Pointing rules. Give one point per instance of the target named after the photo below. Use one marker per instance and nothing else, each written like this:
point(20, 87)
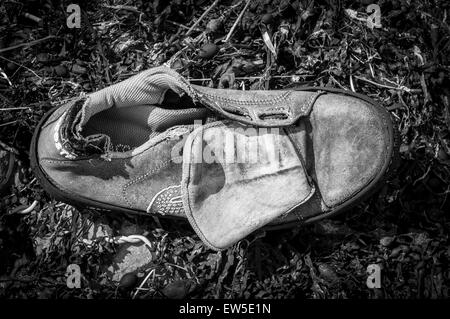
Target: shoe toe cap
point(352, 141)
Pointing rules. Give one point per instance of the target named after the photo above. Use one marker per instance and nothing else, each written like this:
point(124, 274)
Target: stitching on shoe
point(279, 98)
point(309, 103)
point(55, 161)
point(174, 206)
point(140, 178)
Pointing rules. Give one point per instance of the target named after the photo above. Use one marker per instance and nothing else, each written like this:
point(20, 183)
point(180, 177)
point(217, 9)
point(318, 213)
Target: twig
point(28, 185)
point(401, 87)
point(352, 87)
point(8, 123)
point(27, 44)
point(30, 208)
point(339, 84)
point(173, 265)
point(32, 17)
point(3, 75)
point(20, 66)
point(237, 21)
point(180, 25)
point(202, 16)
point(9, 148)
point(23, 209)
point(26, 210)
point(144, 281)
point(423, 176)
point(130, 239)
point(174, 57)
point(123, 7)
point(14, 108)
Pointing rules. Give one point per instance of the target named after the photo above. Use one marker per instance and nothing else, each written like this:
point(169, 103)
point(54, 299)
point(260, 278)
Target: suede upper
point(305, 153)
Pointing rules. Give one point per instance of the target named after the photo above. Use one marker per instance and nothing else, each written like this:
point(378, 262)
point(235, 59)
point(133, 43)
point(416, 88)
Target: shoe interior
point(130, 127)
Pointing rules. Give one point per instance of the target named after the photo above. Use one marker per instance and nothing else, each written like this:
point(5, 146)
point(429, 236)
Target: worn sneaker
point(229, 161)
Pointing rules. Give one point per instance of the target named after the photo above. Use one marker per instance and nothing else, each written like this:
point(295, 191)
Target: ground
point(402, 63)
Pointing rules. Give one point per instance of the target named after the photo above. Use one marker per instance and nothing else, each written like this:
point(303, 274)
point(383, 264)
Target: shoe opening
point(127, 114)
point(129, 127)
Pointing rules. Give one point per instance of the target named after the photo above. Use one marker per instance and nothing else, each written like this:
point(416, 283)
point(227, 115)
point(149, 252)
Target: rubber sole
point(385, 173)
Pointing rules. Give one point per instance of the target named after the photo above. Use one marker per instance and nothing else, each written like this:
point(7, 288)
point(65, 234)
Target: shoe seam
point(276, 99)
point(141, 178)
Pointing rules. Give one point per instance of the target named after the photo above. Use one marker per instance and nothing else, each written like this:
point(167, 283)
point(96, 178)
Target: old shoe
point(229, 161)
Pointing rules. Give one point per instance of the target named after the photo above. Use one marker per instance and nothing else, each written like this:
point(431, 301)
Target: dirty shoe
point(229, 161)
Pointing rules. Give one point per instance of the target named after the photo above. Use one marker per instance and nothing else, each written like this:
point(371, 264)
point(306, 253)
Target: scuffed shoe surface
point(229, 161)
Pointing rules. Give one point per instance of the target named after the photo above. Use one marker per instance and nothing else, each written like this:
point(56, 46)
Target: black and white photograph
point(220, 157)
